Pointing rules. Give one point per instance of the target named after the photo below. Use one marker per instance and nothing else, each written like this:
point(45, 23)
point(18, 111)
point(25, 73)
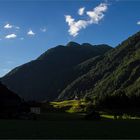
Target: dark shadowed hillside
point(8, 99)
point(46, 77)
point(116, 74)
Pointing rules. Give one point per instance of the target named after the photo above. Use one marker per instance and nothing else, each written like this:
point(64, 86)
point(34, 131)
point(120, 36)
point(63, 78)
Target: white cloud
point(97, 13)
point(8, 26)
point(93, 17)
point(75, 26)
point(17, 27)
point(10, 36)
point(138, 22)
point(30, 33)
point(44, 29)
point(81, 11)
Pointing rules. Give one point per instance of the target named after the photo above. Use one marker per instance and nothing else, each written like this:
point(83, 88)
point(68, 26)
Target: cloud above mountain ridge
point(93, 17)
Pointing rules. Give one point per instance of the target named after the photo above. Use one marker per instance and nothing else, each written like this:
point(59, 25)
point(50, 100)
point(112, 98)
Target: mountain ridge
point(46, 76)
point(117, 72)
point(81, 69)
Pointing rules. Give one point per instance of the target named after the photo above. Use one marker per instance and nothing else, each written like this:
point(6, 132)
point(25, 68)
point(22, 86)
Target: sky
point(29, 28)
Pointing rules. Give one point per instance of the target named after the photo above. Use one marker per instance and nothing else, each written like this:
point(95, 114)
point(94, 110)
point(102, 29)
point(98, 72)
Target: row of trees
point(119, 104)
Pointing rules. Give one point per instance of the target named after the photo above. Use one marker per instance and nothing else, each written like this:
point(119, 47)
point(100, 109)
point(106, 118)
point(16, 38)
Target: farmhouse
point(35, 107)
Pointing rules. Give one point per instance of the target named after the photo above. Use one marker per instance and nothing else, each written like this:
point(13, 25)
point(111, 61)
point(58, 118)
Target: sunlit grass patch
point(124, 117)
point(63, 103)
point(108, 116)
point(73, 106)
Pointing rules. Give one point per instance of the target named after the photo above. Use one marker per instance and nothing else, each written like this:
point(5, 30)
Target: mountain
point(46, 77)
point(8, 99)
point(116, 74)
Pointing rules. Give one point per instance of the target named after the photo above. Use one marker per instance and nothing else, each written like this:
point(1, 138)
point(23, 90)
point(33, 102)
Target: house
point(35, 110)
point(35, 107)
point(76, 97)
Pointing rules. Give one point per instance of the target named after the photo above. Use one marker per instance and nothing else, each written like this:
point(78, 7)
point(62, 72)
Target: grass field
point(64, 125)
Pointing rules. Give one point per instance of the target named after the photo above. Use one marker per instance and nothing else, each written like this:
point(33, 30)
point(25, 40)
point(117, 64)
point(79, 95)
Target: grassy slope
point(70, 106)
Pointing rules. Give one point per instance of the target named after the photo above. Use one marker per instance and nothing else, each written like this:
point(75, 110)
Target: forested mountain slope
point(46, 77)
point(118, 72)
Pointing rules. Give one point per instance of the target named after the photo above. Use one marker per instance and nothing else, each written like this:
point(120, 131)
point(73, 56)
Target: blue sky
point(29, 28)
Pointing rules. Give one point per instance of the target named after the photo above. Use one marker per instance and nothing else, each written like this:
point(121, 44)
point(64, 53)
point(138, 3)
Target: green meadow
point(71, 124)
point(64, 125)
